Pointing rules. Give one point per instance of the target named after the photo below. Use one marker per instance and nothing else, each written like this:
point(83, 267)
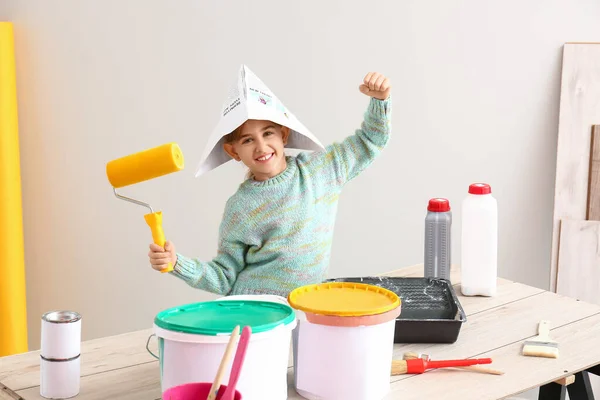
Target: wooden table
point(119, 367)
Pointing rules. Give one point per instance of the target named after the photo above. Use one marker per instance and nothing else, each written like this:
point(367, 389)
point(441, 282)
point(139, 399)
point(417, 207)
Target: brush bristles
point(399, 367)
point(538, 350)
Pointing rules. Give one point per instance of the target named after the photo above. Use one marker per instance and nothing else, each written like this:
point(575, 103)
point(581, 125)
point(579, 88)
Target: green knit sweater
point(276, 235)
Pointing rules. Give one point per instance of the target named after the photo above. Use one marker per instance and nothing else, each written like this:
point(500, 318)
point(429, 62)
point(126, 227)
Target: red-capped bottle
point(438, 234)
point(479, 242)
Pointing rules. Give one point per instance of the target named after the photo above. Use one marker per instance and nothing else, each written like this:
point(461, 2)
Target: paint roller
point(142, 166)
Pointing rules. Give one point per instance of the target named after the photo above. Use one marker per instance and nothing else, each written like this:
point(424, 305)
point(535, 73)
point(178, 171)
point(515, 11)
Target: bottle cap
point(480, 188)
point(438, 205)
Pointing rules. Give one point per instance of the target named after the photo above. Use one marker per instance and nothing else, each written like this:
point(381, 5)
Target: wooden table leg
point(553, 391)
point(581, 389)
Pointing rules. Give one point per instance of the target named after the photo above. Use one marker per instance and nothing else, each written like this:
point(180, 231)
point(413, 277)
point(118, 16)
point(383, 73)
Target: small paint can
point(60, 379)
point(61, 335)
point(60, 354)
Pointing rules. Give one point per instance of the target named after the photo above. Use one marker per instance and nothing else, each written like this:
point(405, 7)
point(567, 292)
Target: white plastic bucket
point(258, 297)
point(343, 357)
point(187, 358)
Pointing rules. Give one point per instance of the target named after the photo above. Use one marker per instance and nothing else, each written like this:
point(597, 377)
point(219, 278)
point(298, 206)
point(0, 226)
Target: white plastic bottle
point(479, 246)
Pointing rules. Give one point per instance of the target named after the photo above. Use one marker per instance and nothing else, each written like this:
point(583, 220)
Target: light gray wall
point(476, 94)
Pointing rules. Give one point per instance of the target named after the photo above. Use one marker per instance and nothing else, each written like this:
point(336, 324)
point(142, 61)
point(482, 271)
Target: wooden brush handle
point(544, 328)
point(212, 395)
point(484, 370)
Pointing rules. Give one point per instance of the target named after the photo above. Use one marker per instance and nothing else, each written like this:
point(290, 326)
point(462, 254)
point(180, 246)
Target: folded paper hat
point(250, 98)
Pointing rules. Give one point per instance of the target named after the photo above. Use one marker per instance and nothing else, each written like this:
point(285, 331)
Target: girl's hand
point(376, 85)
point(160, 258)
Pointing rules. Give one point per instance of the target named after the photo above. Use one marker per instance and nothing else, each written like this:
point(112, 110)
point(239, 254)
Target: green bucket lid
point(220, 317)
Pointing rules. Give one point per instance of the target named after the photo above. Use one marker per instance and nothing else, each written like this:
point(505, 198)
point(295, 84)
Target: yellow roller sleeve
point(154, 221)
point(145, 165)
point(13, 327)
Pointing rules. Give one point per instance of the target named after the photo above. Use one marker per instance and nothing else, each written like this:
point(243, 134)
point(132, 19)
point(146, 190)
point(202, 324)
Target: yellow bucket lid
point(343, 299)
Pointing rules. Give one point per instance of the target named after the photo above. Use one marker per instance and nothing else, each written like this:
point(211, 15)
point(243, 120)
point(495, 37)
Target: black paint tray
point(430, 310)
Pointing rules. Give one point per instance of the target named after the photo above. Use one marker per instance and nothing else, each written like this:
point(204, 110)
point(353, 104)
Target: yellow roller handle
point(154, 221)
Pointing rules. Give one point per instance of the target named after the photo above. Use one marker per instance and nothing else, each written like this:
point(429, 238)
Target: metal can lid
point(61, 317)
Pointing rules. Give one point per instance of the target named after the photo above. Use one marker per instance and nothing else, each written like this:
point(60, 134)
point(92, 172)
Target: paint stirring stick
point(212, 394)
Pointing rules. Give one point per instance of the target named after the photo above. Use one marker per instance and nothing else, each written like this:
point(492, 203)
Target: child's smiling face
point(260, 145)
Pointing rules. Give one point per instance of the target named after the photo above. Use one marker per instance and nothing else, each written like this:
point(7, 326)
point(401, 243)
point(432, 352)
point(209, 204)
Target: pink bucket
point(195, 391)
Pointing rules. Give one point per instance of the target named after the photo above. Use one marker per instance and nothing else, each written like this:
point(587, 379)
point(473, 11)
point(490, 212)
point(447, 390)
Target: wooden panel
point(566, 381)
point(103, 354)
point(593, 211)
point(118, 366)
point(141, 382)
point(580, 96)
point(8, 394)
point(508, 291)
point(521, 373)
point(579, 260)
point(501, 326)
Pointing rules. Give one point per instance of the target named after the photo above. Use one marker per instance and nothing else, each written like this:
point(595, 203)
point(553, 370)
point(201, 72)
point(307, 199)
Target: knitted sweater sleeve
point(341, 162)
point(219, 274)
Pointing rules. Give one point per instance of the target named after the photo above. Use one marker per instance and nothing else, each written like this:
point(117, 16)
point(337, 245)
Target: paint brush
point(419, 365)
point(541, 345)
point(475, 368)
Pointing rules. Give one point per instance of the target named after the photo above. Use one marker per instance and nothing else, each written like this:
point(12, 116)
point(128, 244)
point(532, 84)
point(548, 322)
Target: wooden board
point(519, 322)
point(98, 355)
point(8, 394)
point(580, 96)
point(521, 373)
point(579, 260)
point(140, 382)
point(593, 211)
point(119, 367)
point(566, 381)
point(507, 291)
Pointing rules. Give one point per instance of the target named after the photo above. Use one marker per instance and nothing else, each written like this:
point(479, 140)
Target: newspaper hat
point(250, 98)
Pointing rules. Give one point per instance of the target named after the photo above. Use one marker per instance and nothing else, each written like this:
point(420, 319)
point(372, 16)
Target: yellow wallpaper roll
point(13, 328)
point(144, 165)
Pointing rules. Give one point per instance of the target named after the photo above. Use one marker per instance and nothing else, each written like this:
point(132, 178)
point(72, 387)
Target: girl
point(277, 229)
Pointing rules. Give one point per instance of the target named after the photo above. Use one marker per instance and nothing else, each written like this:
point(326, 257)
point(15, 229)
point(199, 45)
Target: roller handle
point(154, 221)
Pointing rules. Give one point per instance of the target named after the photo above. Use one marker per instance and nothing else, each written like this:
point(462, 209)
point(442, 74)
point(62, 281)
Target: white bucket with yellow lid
point(344, 341)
